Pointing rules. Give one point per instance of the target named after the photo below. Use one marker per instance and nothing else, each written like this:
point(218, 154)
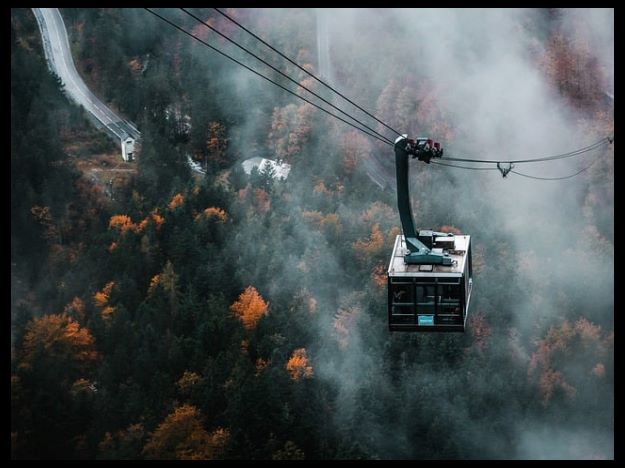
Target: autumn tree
point(290, 130)
point(122, 223)
point(573, 69)
point(249, 307)
point(354, 149)
point(365, 249)
point(60, 339)
point(550, 360)
point(125, 444)
point(101, 299)
point(181, 436)
point(297, 365)
point(216, 144)
point(176, 201)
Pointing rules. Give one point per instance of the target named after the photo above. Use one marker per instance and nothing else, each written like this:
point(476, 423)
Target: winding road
point(60, 61)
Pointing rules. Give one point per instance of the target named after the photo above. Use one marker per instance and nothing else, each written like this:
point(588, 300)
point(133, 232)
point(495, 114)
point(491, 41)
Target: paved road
point(59, 58)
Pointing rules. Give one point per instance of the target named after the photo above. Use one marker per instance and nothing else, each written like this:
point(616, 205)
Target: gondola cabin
point(430, 298)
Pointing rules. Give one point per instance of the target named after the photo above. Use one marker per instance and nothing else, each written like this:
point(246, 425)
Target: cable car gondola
point(430, 274)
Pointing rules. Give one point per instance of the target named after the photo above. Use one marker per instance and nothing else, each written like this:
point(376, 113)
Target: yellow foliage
point(249, 307)
point(298, 366)
point(176, 201)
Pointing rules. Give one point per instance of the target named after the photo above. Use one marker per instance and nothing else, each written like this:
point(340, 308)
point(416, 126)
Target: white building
point(281, 171)
point(128, 148)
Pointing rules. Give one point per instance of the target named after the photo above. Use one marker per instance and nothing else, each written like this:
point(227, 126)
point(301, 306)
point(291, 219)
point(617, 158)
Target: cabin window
point(402, 294)
point(449, 301)
point(426, 300)
point(403, 314)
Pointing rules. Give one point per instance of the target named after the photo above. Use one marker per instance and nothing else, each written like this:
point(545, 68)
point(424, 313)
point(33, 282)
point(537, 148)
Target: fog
point(500, 105)
point(541, 317)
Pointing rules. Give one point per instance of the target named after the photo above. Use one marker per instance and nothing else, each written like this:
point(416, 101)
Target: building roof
point(281, 171)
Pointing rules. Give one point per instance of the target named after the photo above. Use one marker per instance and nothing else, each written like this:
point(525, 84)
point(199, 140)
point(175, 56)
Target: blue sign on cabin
point(425, 320)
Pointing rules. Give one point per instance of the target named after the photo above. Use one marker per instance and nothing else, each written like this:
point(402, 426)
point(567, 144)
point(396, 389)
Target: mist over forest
point(160, 313)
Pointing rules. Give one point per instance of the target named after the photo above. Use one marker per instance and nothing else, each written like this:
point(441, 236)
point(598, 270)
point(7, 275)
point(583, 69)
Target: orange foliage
point(142, 225)
point(354, 149)
point(60, 337)
point(107, 313)
point(249, 307)
point(154, 282)
point(379, 275)
point(452, 229)
point(582, 336)
point(216, 143)
point(181, 436)
point(122, 223)
point(320, 188)
point(176, 201)
point(75, 309)
point(378, 211)
point(188, 380)
point(297, 366)
point(101, 298)
point(44, 217)
point(373, 245)
point(158, 219)
point(261, 364)
point(573, 69)
point(213, 212)
point(290, 129)
point(129, 437)
point(549, 379)
point(327, 223)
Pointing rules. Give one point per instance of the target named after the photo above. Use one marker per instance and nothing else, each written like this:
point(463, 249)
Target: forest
point(235, 316)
